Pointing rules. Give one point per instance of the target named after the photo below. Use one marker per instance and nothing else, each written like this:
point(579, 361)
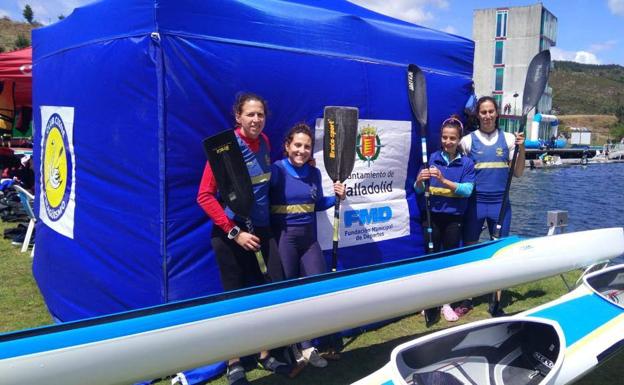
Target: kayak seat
point(433, 378)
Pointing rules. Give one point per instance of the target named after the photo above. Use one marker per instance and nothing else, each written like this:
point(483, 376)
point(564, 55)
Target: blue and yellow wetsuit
point(491, 170)
point(448, 206)
point(296, 194)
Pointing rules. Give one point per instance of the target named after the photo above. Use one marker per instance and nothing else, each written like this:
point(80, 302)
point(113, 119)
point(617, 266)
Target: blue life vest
point(259, 167)
point(444, 200)
point(491, 168)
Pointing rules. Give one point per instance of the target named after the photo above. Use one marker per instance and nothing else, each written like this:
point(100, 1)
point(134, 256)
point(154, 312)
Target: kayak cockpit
point(510, 352)
point(609, 284)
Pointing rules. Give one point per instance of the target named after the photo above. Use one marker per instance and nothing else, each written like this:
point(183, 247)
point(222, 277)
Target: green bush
point(22, 41)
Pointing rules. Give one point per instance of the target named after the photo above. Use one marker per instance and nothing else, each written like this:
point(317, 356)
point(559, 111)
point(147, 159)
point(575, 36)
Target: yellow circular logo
point(55, 167)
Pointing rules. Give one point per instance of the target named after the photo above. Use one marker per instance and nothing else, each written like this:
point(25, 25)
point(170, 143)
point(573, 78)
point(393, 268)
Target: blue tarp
point(148, 80)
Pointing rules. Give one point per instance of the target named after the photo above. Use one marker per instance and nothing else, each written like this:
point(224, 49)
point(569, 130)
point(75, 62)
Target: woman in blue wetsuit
point(491, 150)
point(451, 179)
point(296, 194)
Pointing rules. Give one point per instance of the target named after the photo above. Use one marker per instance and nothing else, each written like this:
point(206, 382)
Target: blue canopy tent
point(131, 87)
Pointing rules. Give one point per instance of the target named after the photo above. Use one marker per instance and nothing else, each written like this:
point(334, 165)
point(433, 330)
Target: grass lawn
point(21, 306)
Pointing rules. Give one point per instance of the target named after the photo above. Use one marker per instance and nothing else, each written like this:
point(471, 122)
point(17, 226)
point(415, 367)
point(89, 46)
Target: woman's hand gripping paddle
point(417, 91)
point(534, 85)
point(233, 180)
point(341, 125)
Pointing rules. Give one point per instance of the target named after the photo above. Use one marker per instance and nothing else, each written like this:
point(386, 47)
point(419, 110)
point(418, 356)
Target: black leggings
point(238, 268)
point(300, 251)
point(447, 231)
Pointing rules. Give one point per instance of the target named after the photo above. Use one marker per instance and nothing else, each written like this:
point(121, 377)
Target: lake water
point(593, 196)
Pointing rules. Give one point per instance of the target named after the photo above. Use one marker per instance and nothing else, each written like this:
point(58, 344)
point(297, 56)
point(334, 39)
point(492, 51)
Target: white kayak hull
point(587, 328)
point(159, 341)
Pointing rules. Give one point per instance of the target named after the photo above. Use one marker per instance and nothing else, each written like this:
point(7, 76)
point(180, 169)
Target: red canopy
point(16, 66)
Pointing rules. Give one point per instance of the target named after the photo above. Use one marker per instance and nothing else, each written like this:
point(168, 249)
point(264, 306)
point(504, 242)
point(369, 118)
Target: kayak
point(497, 351)
point(158, 341)
point(555, 343)
point(592, 319)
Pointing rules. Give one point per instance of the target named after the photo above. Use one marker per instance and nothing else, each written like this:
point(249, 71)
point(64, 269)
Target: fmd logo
point(369, 216)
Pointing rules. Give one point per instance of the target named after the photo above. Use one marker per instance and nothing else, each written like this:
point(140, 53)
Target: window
point(548, 27)
point(499, 100)
point(498, 52)
point(501, 23)
point(498, 84)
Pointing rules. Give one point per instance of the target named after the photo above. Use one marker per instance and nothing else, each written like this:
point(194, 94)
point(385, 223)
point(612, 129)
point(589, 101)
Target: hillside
point(586, 89)
point(10, 31)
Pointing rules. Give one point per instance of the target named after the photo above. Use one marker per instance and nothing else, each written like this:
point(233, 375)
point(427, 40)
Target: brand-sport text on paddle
point(332, 138)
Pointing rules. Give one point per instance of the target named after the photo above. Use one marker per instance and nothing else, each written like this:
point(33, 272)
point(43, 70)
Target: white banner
point(375, 208)
point(57, 182)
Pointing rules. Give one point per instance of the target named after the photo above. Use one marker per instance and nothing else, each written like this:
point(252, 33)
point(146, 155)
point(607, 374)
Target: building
point(506, 39)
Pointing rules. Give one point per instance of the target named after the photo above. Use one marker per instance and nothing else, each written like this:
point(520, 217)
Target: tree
point(28, 14)
point(617, 131)
point(619, 113)
point(21, 41)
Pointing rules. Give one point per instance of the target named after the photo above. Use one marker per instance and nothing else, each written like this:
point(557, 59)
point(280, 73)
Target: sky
point(589, 31)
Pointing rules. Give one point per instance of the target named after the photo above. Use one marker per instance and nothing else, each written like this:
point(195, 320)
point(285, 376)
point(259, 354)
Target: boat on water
point(551, 160)
point(556, 343)
point(162, 340)
point(546, 161)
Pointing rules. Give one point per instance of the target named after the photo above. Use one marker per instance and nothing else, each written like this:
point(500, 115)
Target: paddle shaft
point(425, 161)
point(335, 237)
point(505, 202)
point(417, 92)
point(258, 253)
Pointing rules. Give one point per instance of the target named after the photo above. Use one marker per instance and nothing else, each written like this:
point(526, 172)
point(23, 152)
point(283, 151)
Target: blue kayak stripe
point(580, 316)
point(42, 339)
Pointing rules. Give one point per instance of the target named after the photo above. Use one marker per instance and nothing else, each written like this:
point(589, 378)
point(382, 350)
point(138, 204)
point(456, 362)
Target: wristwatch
point(234, 232)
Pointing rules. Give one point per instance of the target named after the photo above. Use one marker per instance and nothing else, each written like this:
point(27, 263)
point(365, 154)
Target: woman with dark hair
point(296, 194)
point(491, 149)
point(451, 180)
point(233, 247)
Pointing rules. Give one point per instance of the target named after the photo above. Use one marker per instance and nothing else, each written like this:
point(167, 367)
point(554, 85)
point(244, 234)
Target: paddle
point(233, 180)
point(417, 90)
point(534, 85)
point(339, 155)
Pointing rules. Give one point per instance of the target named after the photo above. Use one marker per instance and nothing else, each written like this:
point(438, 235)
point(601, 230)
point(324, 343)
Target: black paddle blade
point(537, 77)
point(341, 125)
point(230, 171)
point(417, 88)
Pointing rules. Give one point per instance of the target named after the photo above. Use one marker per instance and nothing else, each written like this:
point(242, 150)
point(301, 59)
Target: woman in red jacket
point(234, 247)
